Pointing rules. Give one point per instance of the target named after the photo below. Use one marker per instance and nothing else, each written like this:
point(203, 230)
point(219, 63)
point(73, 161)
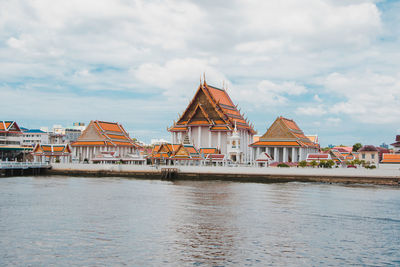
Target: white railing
point(22, 165)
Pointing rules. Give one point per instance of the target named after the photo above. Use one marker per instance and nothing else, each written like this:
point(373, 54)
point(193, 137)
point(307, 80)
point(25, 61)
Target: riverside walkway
point(240, 174)
point(10, 168)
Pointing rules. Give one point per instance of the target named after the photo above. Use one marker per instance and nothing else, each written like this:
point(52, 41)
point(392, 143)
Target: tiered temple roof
point(211, 107)
point(9, 126)
point(284, 132)
point(175, 151)
point(101, 133)
point(397, 143)
point(52, 150)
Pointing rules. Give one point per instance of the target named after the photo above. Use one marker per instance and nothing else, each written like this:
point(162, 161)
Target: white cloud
point(333, 121)
point(312, 110)
point(268, 93)
point(179, 77)
point(368, 97)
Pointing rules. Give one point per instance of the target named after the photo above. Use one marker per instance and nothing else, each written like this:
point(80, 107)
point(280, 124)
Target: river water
point(65, 221)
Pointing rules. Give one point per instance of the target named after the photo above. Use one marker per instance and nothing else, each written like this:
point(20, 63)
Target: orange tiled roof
point(222, 105)
point(51, 149)
point(9, 126)
point(286, 130)
point(113, 134)
point(109, 126)
point(209, 151)
point(390, 158)
point(276, 143)
point(89, 143)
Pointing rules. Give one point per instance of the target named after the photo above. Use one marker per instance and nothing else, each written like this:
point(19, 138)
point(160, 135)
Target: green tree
point(357, 146)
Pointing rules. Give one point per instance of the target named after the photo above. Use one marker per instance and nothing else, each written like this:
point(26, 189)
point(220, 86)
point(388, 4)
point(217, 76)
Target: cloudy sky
point(332, 65)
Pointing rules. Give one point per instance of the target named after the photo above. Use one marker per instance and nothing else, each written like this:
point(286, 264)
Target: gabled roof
point(207, 151)
point(175, 151)
point(368, 148)
point(101, 133)
point(52, 149)
point(284, 132)
point(9, 126)
point(212, 107)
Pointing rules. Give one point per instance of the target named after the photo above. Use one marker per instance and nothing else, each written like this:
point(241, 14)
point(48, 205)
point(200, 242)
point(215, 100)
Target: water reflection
point(65, 221)
point(205, 233)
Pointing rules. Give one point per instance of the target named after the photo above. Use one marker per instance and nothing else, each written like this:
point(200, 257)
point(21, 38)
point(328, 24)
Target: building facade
point(34, 136)
point(370, 154)
point(284, 141)
point(209, 122)
point(101, 136)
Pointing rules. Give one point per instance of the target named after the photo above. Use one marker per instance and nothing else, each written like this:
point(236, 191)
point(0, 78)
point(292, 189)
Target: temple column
point(190, 135)
point(209, 138)
point(80, 153)
point(285, 154)
point(294, 154)
point(219, 140)
point(258, 152)
point(276, 154)
point(199, 138)
point(301, 153)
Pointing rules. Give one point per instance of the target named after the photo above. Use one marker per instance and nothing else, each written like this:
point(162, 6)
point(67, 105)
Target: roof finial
point(204, 77)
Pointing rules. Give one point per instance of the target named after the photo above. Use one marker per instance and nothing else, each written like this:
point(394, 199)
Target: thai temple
point(284, 141)
point(213, 121)
point(105, 142)
point(53, 153)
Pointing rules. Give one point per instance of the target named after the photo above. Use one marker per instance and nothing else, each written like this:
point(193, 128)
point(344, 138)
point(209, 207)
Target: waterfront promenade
point(387, 176)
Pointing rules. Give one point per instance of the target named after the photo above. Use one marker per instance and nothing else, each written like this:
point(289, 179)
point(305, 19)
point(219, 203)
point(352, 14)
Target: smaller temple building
point(101, 136)
point(58, 153)
point(396, 145)
point(284, 141)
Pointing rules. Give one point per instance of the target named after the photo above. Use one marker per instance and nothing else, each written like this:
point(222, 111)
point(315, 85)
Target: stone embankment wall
point(385, 176)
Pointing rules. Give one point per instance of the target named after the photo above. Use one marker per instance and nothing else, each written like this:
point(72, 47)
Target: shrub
point(283, 165)
point(329, 164)
point(303, 163)
point(313, 163)
point(370, 166)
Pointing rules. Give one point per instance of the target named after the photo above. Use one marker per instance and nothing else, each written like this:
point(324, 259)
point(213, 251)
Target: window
point(373, 156)
point(363, 156)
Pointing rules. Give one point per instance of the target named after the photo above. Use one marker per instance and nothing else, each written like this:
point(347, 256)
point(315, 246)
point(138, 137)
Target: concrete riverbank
point(381, 176)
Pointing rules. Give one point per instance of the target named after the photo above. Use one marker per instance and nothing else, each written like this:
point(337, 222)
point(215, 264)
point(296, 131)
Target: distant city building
point(384, 145)
point(101, 136)
point(35, 136)
point(284, 141)
point(158, 141)
point(56, 138)
point(71, 135)
point(209, 121)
